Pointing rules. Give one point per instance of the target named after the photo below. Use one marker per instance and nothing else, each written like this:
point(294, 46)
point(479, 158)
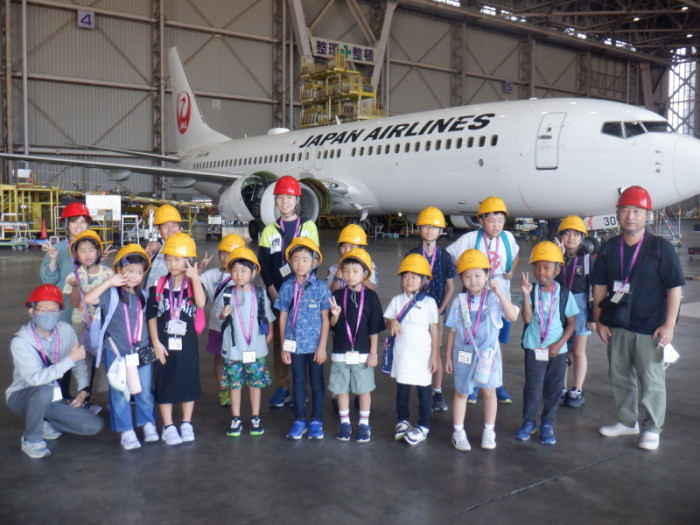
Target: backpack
point(199, 319)
point(100, 323)
point(563, 299)
point(506, 244)
point(262, 321)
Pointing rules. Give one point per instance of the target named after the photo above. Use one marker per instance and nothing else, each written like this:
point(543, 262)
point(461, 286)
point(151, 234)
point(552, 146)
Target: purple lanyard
point(471, 334)
point(134, 337)
point(626, 274)
point(570, 282)
point(56, 345)
point(175, 310)
point(544, 331)
point(247, 336)
point(432, 262)
point(298, 292)
point(487, 243)
point(360, 309)
point(297, 230)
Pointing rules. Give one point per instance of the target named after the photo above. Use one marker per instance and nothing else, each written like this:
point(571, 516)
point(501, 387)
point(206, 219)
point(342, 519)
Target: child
point(473, 353)
point(352, 236)
point(275, 269)
point(172, 307)
point(214, 281)
point(412, 318)
point(303, 303)
point(431, 222)
point(575, 275)
point(128, 333)
point(247, 317)
point(356, 318)
point(167, 221)
point(502, 252)
point(548, 312)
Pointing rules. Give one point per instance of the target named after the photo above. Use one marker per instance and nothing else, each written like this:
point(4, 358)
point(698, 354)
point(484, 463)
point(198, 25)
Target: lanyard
point(406, 307)
point(297, 230)
point(298, 292)
point(625, 274)
point(432, 262)
point(56, 345)
point(175, 310)
point(134, 337)
point(247, 336)
point(544, 330)
point(471, 334)
point(360, 308)
point(570, 282)
point(487, 243)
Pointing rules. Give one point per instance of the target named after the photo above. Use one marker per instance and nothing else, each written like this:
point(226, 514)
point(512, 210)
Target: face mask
point(46, 320)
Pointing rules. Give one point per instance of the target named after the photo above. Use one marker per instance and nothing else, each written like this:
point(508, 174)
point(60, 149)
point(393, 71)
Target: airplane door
point(307, 159)
point(318, 158)
point(547, 153)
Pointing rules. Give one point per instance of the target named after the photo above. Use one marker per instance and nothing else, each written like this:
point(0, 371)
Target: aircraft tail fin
point(191, 129)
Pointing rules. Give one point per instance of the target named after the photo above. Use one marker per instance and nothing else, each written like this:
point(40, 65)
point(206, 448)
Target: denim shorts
point(236, 374)
point(344, 378)
point(582, 315)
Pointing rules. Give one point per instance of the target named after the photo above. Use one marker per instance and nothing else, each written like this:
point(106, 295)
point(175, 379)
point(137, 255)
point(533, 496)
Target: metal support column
point(381, 44)
point(158, 81)
point(278, 58)
point(457, 63)
point(527, 68)
point(583, 80)
point(6, 103)
point(301, 31)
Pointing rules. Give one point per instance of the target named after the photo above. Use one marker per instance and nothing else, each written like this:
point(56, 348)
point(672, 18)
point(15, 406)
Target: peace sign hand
point(202, 265)
point(192, 272)
point(335, 307)
point(525, 284)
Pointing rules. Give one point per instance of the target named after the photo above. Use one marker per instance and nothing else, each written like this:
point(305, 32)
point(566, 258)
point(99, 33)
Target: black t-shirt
point(581, 280)
point(372, 321)
point(656, 270)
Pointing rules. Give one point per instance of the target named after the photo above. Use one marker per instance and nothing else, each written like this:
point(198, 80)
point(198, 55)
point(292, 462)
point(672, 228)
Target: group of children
point(151, 311)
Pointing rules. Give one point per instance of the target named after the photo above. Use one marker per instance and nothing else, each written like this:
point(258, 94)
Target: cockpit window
point(657, 126)
point(633, 128)
point(613, 128)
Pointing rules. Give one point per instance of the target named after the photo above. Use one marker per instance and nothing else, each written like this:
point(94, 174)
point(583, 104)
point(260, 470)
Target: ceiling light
point(684, 8)
point(636, 19)
point(689, 35)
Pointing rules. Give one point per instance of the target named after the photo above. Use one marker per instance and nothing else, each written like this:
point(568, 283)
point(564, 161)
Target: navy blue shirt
point(443, 269)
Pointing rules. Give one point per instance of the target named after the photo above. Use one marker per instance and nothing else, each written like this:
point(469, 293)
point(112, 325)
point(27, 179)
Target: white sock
point(344, 416)
point(489, 427)
point(458, 428)
point(364, 417)
point(437, 390)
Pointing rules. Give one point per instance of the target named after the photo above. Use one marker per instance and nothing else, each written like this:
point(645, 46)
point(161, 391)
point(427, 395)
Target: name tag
point(57, 394)
point(132, 360)
point(617, 297)
point(619, 286)
point(290, 346)
point(249, 357)
point(176, 327)
point(352, 358)
point(464, 357)
point(174, 343)
point(285, 270)
point(542, 354)
point(313, 305)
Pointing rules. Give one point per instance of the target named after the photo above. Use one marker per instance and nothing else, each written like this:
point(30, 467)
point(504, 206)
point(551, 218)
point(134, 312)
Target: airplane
point(546, 158)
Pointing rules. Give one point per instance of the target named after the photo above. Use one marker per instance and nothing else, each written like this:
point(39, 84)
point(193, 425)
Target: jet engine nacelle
point(464, 222)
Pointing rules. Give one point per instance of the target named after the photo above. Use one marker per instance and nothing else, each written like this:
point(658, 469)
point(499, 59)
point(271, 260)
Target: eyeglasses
point(43, 310)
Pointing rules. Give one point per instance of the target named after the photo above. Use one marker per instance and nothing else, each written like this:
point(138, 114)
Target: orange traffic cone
point(44, 234)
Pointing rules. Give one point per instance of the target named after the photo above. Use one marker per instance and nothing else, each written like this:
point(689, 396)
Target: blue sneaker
point(525, 431)
point(503, 396)
point(471, 398)
point(280, 398)
point(299, 428)
point(344, 432)
point(364, 433)
point(547, 434)
point(315, 430)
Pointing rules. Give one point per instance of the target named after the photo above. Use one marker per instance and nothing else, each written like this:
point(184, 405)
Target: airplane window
point(612, 128)
point(494, 140)
point(470, 142)
point(438, 143)
point(427, 145)
point(286, 157)
point(657, 126)
point(318, 154)
point(482, 141)
point(448, 143)
point(332, 153)
point(407, 147)
point(458, 144)
point(369, 150)
point(379, 150)
point(387, 150)
point(337, 154)
point(352, 153)
point(416, 147)
point(299, 156)
point(397, 148)
point(325, 154)
point(633, 128)
point(307, 156)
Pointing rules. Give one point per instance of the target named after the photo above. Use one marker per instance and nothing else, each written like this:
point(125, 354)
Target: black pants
point(425, 407)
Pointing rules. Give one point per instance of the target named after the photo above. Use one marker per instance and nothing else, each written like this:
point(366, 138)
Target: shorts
point(344, 378)
point(237, 375)
point(582, 315)
point(214, 342)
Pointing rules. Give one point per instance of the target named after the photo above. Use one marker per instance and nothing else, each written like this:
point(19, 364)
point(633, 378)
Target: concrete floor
point(585, 478)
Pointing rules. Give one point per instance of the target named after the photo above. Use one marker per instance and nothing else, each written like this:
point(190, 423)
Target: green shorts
point(358, 379)
point(236, 374)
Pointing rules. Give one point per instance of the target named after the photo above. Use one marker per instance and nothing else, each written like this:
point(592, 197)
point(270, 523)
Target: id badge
point(619, 286)
point(174, 343)
point(290, 346)
point(617, 297)
point(249, 357)
point(132, 360)
point(464, 357)
point(285, 270)
point(57, 394)
point(542, 354)
point(352, 358)
point(176, 327)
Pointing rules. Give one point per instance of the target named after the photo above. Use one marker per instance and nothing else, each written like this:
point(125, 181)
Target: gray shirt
point(117, 328)
point(158, 269)
point(245, 302)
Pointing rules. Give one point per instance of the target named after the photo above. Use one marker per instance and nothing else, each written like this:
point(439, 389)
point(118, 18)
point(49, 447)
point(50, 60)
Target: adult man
point(637, 282)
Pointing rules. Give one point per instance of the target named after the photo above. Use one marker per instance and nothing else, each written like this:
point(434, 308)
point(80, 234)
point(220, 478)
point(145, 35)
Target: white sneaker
point(402, 427)
point(35, 450)
point(150, 434)
point(649, 440)
point(130, 441)
point(460, 441)
point(415, 435)
point(618, 429)
point(50, 432)
point(187, 432)
point(488, 439)
point(170, 435)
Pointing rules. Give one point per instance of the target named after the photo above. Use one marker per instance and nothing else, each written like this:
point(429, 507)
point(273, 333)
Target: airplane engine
point(464, 222)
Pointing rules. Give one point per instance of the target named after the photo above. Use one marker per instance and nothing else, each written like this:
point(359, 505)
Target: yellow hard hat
point(230, 242)
point(307, 243)
point(166, 213)
point(415, 263)
point(358, 254)
point(180, 245)
point(87, 234)
point(431, 216)
point(353, 234)
point(546, 251)
point(472, 259)
point(573, 222)
point(242, 253)
point(131, 249)
point(492, 205)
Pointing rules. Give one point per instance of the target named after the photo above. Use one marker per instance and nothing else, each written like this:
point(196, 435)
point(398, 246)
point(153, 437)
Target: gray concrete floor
point(585, 478)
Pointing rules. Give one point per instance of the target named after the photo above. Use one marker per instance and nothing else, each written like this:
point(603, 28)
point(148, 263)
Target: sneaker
point(234, 430)
point(564, 396)
point(488, 439)
point(364, 434)
point(618, 429)
point(187, 432)
point(439, 404)
point(460, 441)
point(150, 434)
point(256, 427)
point(402, 427)
point(525, 431)
point(547, 434)
point(503, 396)
point(576, 398)
point(415, 436)
point(344, 432)
point(471, 398)
point(649, 440)
point(171, 436)
point(35, 450)
point(280, 397)
point(130, 441)
point(315, 430)
point(50, 432)
point(299, 428)
point(224, 398)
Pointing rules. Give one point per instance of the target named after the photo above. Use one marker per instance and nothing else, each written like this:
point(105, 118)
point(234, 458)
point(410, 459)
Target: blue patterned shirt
point(443, 269)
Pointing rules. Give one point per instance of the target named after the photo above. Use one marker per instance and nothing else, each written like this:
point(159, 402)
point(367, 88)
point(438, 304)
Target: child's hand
point(108, 251)
point(192, 272)
point(71, 280)
point(320, 356)
point(525, 284)
point(372, 360)
point(493, 284)
point(226, 311)
point(160, 351)
point(152, 248)
point(118, 280)
point(202, 265)
point(448, 364)
point(434, 364)
point(286, 357)
point(554, 351)
point(335, 308)
point(394, 327)
point(51, 250)
point(591, 326)
point(508, 275)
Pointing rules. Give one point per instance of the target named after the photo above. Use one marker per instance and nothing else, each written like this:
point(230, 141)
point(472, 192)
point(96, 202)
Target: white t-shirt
point(210, 281)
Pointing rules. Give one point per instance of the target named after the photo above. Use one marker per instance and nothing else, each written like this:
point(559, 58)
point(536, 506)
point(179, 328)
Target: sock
point(364, 417)
point(489, 427)
point(437, 390)
point(458, 428)
point(344, 416)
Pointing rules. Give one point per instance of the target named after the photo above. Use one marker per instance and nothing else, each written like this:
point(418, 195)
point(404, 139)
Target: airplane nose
point(686, 166)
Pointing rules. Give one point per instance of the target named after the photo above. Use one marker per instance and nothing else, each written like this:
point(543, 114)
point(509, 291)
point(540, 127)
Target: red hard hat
point(287, 185)
point(45, 292)
point(635, 196)
point(76, 209)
